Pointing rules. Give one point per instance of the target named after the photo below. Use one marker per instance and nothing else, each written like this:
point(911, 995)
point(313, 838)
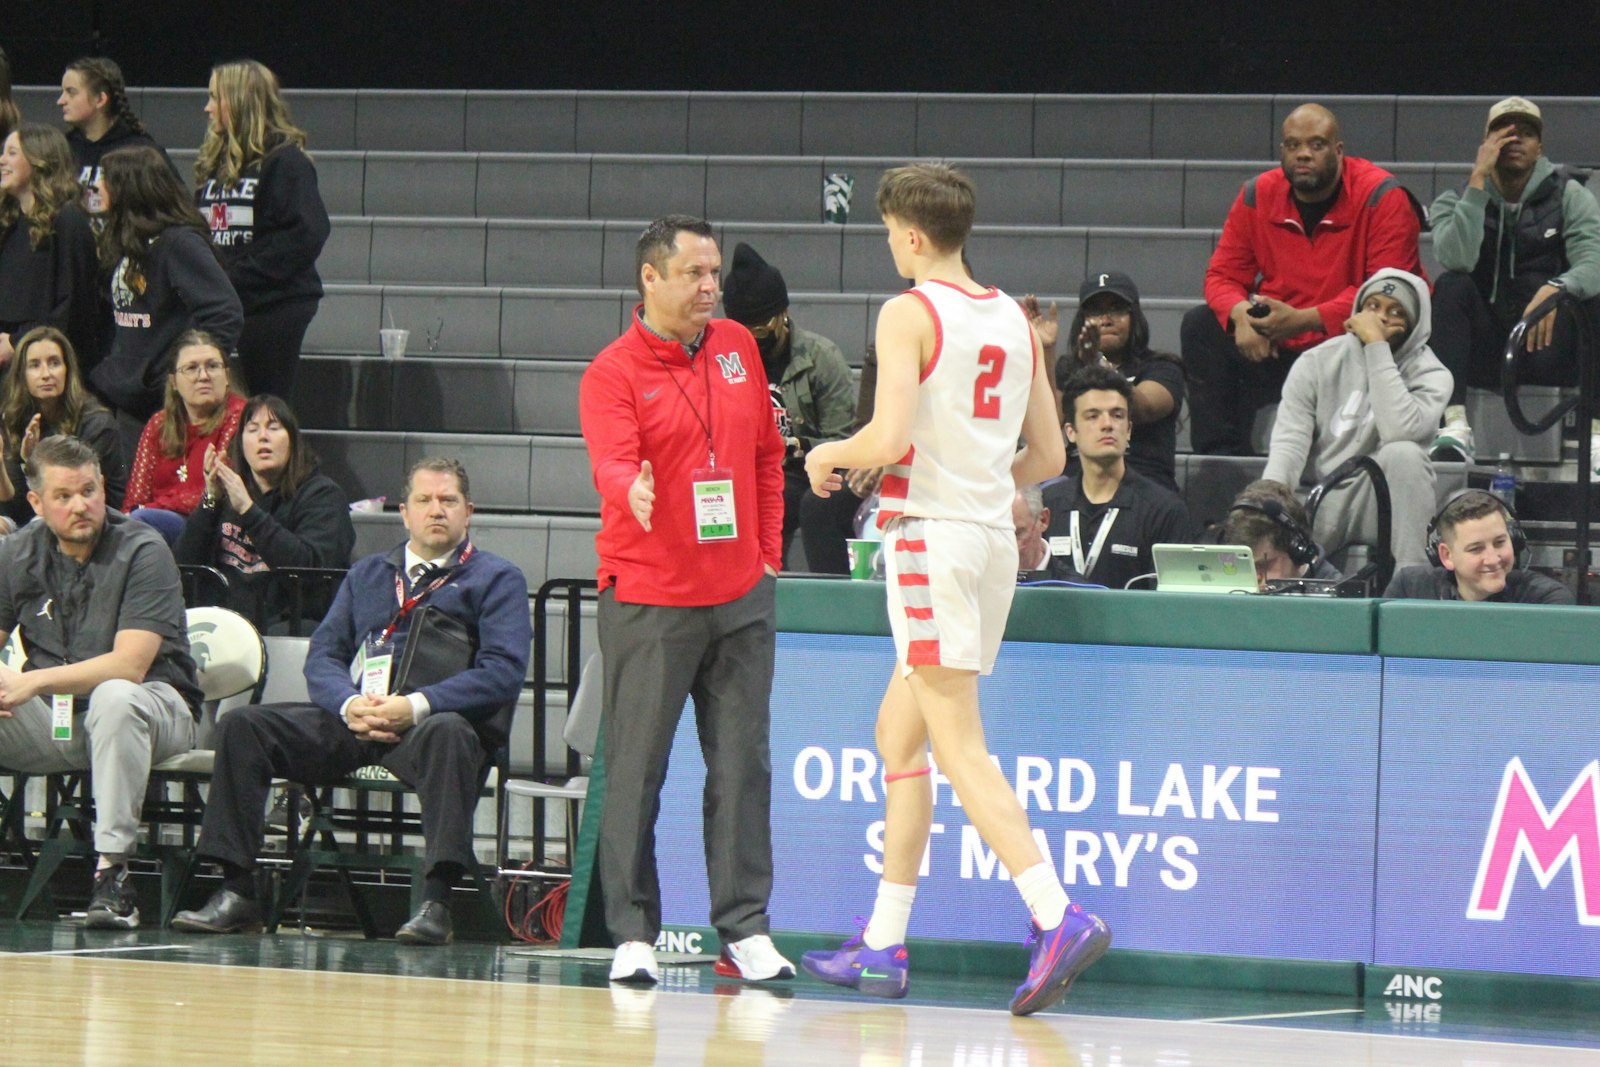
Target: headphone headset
point(1302, 549)
point(1519, 539)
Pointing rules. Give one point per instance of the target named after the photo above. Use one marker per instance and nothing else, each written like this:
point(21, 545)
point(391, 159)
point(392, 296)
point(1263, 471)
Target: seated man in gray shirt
point(108, 684)
point(1474, 543)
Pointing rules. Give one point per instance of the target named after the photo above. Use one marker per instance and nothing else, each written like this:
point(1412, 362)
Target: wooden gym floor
point(75, 996)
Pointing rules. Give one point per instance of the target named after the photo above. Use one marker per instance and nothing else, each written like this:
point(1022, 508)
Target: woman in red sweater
point(202, 410)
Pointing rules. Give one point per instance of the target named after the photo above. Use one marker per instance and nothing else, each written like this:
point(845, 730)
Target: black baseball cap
point(1111, 281)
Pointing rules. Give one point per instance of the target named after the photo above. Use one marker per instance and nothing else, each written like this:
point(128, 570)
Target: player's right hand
point(642, 495)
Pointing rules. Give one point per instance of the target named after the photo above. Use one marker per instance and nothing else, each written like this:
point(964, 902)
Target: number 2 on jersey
point(992, 364)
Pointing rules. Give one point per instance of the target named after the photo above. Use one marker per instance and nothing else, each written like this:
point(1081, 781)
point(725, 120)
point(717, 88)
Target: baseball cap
point(1112, 281)
point(1515, 106)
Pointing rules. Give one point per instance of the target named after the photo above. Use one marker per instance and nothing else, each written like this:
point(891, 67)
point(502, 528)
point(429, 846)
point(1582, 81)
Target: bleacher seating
point(498, 227)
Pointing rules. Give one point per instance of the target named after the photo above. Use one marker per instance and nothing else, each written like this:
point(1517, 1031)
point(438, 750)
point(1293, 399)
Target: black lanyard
point(705, 423)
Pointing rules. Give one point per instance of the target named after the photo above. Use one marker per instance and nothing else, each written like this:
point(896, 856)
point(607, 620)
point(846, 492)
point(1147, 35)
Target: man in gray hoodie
point(1519, 231)
point(1376, 390)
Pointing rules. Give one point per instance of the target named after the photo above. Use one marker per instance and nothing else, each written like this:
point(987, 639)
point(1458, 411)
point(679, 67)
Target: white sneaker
point(755, 959)
point(1453, 444)
point(635, 961)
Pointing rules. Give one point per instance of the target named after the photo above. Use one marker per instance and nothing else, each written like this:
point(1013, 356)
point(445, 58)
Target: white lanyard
point(1084, 567)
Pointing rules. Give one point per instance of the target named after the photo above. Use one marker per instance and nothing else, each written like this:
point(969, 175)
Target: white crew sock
point(890, 914)
point(1042, 892)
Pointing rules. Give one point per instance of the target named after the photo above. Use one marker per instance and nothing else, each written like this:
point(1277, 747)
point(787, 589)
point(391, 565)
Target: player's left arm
point(905, 333)
point(1043, 453)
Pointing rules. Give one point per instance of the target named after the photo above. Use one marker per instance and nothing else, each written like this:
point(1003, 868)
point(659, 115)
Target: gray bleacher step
point(1087, 126)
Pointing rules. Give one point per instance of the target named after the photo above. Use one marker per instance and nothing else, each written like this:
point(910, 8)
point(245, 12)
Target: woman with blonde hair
point(198, 421)
point(257, 188)
point(47, 251)
point(45, 396)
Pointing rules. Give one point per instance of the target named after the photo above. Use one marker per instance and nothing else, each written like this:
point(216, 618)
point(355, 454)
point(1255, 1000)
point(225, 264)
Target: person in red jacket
point(688, 460)
point(1298, 242)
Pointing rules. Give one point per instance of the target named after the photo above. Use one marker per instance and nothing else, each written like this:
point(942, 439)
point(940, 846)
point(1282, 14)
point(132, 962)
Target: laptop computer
point(1204, 568)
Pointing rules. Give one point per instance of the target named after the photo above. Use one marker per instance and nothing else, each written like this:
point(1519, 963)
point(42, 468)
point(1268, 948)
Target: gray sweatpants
point(655, 658)
point(126, 728)
point(1349, 514)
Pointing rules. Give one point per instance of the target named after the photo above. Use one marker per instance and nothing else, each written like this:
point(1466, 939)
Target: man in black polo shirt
point(1105, 517)
point(108, 685)
point(1475, 541)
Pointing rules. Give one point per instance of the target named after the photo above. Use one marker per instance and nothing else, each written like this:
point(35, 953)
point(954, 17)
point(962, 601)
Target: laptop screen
point(1204, 568)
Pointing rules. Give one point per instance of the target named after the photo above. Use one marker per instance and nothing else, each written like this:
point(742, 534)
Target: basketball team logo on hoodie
point(127, 286)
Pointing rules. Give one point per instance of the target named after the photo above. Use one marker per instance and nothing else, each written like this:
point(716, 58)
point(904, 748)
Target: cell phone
point(1258, 311)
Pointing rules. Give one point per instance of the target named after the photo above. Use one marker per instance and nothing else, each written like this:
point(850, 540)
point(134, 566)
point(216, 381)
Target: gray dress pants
point(655, 658)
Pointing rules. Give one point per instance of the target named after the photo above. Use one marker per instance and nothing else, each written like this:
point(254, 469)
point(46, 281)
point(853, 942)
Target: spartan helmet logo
point(197, 643)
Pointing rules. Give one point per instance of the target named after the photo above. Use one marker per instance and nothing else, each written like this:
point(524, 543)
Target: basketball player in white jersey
point(960, 377)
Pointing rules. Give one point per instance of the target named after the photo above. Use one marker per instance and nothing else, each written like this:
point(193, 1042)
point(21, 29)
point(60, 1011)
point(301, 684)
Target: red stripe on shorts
point(905, 545)
point(922, 653)
point(894, 486)
point(919, 613)
point(913, 579)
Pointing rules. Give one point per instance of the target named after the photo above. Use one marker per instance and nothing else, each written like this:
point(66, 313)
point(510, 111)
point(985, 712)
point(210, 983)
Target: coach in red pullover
point(1299, 239)
point(677, 418)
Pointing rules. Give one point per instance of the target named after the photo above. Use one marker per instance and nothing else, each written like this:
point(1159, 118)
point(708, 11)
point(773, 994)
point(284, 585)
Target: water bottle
point(1504, 482)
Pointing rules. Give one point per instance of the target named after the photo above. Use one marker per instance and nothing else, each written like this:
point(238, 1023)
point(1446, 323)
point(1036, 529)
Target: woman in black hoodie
point(47, 251)
point(266, 507)
point(257, 188)
point(44, 395)
point(165, 280)
point(94, 102)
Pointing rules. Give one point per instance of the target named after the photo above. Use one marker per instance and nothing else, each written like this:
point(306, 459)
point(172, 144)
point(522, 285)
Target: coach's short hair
point(660, 239)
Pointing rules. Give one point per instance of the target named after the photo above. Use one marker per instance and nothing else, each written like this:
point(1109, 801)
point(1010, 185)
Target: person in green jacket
point(1521, 230)
point(812, 391)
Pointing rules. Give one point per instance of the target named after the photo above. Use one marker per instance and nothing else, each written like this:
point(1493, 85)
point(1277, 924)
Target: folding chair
point(581, 733)
point(231, 665)
point(230, 662)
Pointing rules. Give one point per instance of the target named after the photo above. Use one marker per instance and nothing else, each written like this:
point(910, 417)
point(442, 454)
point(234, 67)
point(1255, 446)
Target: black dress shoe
point(429, 926)
point(225, 913)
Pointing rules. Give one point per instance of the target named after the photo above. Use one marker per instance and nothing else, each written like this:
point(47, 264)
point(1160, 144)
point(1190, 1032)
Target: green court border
point(1413, 629)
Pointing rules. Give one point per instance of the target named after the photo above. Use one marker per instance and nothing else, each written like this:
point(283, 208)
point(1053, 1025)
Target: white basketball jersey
point(970, 406)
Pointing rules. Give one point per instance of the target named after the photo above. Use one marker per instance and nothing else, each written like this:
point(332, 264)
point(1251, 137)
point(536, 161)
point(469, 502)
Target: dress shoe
point(429, 926)
point(226, 912)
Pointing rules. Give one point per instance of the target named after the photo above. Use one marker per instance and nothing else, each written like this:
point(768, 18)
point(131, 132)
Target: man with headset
point(1478, 552)
point(1267, 517)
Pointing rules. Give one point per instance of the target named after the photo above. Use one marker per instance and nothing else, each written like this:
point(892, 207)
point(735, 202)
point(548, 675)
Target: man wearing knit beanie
point(808, 375)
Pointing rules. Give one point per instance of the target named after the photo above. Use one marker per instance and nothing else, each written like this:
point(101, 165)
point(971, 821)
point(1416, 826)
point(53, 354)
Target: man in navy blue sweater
point(438, 740)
